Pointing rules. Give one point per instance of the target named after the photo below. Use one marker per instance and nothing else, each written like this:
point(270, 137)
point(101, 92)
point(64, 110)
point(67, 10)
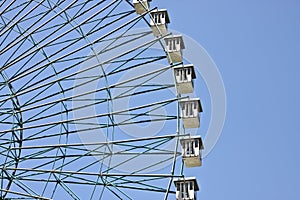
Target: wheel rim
point(41, 86)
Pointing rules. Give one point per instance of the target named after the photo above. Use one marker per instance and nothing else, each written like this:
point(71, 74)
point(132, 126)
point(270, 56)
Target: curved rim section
point(58, 172)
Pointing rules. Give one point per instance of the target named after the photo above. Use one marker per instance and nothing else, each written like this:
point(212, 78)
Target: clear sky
point(255, 45)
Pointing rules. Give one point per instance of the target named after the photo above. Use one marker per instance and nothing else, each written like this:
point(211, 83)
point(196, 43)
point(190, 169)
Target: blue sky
point(255, 45)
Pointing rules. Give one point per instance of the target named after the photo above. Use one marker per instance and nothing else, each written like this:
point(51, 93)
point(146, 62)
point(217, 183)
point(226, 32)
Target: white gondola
point(159, 22)
point(184, 76)
point(191, 148)
point(141, 6)
point(174, 47)
point(190, 109)
point(186, 188)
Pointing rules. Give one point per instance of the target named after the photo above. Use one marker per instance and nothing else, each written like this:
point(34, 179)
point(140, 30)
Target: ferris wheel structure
point(96, 102)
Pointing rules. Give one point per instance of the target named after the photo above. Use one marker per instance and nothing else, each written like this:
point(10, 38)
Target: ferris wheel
point(94, 102)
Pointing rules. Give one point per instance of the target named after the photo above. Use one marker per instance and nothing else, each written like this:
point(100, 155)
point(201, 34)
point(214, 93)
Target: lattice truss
point(51, 50)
